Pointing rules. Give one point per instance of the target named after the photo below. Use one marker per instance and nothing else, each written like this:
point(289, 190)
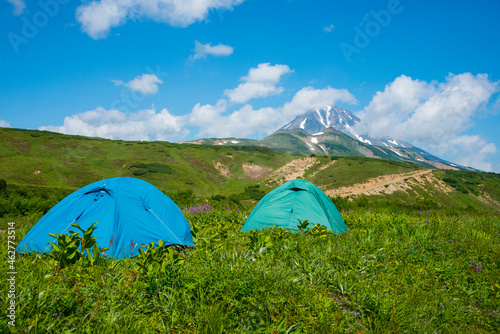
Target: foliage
point(3, 186)
point(183, 198)
point(143, 168)
point(18, 200)
point(253, 192)
point(158, 259)
point(73, 247)
point(471, 182)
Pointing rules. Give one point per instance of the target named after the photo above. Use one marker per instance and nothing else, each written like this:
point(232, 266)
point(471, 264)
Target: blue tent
point(294, 200)
point(130, 212)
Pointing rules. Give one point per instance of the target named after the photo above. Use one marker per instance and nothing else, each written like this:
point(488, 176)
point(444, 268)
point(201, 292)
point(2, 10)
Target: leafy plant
point(72, 247)
point(303, 224)
point(157, 259)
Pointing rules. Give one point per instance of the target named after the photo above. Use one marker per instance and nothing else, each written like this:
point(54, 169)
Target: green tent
point(294, 200)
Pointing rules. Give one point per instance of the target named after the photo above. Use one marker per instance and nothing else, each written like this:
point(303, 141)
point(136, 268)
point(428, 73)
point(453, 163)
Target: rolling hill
point(46, 160)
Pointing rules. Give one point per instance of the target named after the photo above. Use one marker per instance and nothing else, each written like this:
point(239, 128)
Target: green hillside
point(330, 142)
point(48, 165)
point(50, 159)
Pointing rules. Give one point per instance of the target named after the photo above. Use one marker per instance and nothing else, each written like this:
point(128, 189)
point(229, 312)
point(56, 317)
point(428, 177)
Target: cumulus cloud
point(19, 6)
point(99, 16)
point(261, 81)
point(433, 115)
point(146, 84)
point(4, 124)
point(113, 124)
point(202, 50)
point(218, 121)
point(471, 150)
point(309, 98)
point(221, 119)
point(246, 121)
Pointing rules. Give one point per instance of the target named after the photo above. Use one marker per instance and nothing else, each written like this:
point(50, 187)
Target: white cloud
point(215, 121)
point(19, 6)
point(309, 98)
point(219, 50)
point(99, 16)
point(471, 151)
point(146, 84)
point(329, 28)
point(203, 115)
point(240, 123)
point(4, 124)
point(113, 124)
point(260, 82)
point(433, 115)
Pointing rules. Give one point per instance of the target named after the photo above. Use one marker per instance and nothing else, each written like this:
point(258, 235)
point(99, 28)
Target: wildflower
point(238, 212)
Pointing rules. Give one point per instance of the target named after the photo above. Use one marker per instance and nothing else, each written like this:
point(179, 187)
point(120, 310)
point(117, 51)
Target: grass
point(351, 170)
point(415, 272)
point(48, 159)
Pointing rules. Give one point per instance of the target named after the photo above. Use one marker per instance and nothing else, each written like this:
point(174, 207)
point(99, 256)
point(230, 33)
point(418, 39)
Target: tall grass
point(418, 272)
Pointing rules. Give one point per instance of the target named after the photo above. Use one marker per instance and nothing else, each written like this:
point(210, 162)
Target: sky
point(426, 72)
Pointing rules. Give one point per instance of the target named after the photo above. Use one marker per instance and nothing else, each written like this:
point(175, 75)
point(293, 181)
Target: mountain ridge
point(331, 131)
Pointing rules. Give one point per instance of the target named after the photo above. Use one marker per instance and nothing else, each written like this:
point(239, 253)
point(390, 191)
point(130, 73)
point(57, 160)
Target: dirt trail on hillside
point(292, 170)
point(374, 183)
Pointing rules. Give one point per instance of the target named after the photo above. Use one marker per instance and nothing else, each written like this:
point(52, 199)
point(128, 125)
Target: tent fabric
point(130, 212)
point(294, 200)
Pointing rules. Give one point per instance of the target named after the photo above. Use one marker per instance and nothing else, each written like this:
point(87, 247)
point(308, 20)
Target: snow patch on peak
point(393, 142)
point(314, 140)
point(303, 124)
point(395, 151)
point(318, 134)
point(321, 120)
point(361, 139)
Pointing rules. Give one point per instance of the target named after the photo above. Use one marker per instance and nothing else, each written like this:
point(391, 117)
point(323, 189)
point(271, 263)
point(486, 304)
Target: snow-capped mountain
point(328, 117)
point(341, 120)
point(331, 131)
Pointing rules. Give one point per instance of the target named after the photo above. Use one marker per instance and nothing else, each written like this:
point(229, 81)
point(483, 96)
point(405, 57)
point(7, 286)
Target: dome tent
point(294, 200)
point(130, 212)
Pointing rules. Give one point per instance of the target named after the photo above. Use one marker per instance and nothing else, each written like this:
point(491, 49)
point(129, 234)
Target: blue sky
point(422, 71)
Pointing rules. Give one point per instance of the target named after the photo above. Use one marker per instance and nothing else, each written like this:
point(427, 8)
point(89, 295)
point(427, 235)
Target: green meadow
point(420, 272)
